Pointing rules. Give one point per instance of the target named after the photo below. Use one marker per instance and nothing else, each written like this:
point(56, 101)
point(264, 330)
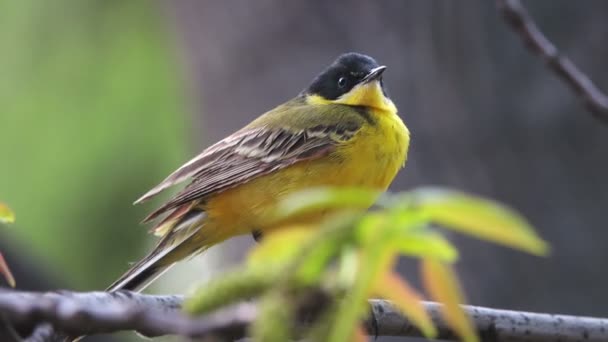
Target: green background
point(91, 115)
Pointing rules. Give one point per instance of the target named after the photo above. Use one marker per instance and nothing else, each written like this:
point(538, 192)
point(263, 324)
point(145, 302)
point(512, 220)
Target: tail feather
point(170, 249)
point(167, 252)
point(139, 276)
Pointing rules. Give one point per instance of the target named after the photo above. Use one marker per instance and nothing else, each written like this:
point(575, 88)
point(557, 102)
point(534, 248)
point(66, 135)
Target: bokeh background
point(99, 100)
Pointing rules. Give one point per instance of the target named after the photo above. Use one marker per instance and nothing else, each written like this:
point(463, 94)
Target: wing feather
point(247, 155)
point(187, 170)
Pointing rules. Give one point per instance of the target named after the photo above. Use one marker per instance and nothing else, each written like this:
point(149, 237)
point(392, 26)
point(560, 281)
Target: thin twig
point(102, 312)
point(518, 18)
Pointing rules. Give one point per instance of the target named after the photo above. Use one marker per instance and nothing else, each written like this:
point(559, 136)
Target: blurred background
point(100, 100)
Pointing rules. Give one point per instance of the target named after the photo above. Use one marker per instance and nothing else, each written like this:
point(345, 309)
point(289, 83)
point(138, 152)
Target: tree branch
point(520, 21)
point(78, 314)
point(101, 312)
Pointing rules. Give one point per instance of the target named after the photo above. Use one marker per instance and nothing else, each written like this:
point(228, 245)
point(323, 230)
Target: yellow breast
point(377, 153)
point(371, 159)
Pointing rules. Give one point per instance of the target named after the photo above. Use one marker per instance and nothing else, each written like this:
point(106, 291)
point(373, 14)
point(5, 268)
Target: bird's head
point(353, 79)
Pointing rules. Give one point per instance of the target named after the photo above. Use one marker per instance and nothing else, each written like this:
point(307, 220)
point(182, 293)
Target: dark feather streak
point(255, 153)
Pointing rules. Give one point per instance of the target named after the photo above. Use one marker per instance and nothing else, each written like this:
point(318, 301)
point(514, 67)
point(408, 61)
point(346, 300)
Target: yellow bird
point(342, 130)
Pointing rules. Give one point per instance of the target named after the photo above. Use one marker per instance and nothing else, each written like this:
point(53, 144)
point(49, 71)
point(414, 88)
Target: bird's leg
point(257, 235)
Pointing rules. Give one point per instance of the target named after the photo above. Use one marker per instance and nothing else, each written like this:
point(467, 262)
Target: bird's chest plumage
point(370, 159)
point(376, 154)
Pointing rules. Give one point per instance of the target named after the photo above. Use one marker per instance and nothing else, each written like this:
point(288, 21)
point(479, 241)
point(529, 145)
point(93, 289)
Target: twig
point(494, 324)
point(518, 18)
point(101, 312)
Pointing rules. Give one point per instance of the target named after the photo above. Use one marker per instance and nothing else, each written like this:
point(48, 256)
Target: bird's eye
point(342, 82)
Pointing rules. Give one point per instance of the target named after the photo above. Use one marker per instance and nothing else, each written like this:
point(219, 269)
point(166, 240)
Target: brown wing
point(246, 155)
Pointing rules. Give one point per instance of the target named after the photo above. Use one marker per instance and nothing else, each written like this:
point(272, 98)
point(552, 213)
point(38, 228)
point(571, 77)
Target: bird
point(342, 130)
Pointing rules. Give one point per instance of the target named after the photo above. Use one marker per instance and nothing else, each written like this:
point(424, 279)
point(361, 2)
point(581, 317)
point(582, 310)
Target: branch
point(495, 324)
point(521, 22)
point(101, 312)
point(78, 314)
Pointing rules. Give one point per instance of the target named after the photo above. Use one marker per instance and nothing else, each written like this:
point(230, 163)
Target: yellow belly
point(371, 159)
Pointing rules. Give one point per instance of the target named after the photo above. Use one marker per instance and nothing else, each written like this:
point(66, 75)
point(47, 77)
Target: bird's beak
point(373, 75)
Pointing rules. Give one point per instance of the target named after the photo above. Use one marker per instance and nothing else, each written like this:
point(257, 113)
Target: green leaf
point(275, 319)
point(406, 231)
point(314, 199)
point(6, 214)
point(315, 264)
point(320, 243)
point(348, 266)
point(370, 226)
point(479, 217)
point(425, 244)
point(280, 246)
point(442, 284)
point(392, 222)
point(233, 286)
point(372, 260)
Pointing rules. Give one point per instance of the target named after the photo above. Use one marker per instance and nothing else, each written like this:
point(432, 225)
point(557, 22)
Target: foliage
point(92, 115)
point(6, 216)
point(350, 258)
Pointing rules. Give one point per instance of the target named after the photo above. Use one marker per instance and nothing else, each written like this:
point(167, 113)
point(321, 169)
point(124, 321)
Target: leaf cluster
point(324, 275)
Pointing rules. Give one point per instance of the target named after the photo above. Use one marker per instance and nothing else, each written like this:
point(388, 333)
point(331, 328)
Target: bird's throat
point(368, 95)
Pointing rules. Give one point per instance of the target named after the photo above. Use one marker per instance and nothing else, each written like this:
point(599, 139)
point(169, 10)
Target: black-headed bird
point(341, 131)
